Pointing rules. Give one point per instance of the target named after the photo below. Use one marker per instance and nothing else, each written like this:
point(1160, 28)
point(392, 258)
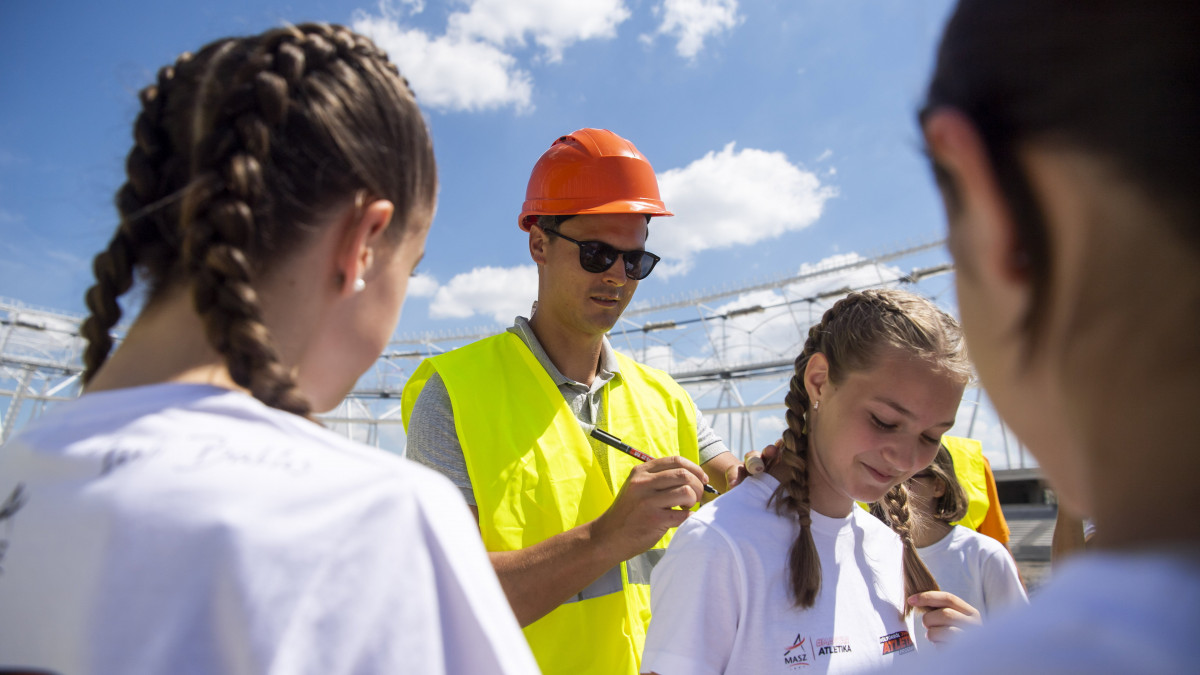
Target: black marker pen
point(614, 442)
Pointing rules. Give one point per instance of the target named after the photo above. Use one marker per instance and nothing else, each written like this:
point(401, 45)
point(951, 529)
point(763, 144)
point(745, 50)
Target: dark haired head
point(1115, 79)
point(241, 152)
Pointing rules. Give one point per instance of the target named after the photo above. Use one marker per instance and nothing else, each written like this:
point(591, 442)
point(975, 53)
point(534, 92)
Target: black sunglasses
point(597, 256)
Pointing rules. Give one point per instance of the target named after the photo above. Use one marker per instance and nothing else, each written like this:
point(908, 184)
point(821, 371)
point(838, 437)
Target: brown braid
point(792, 494)
point(894, 511)
point(142, 237)
point(849, 336)
point(240, 152)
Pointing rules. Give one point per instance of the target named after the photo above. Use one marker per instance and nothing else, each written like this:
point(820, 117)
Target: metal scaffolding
point(731, 348)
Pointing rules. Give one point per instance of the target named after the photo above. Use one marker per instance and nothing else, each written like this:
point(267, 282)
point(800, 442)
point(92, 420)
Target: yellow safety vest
point(535, 474)
point(967, 454)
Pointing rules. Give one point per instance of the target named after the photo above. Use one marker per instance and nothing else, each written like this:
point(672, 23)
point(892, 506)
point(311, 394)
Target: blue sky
point(803, 108)
point(782, 131)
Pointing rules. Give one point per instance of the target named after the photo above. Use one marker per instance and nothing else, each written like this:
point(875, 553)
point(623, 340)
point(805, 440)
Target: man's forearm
point(540, 578)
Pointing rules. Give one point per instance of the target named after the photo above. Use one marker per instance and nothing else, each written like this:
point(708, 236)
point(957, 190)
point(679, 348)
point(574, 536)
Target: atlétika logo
point(796, 656)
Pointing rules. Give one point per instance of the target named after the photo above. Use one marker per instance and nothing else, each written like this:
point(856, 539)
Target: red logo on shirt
point(897, 643)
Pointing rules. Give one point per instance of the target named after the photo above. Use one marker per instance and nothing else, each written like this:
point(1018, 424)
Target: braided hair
point(850, 335)
point(240, 152)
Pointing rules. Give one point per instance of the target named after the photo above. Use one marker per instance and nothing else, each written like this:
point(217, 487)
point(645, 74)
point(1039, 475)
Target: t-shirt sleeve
point(480, 634)
point(710, 443)
point(1002, 586)
point(695, 599)
point(432, 440)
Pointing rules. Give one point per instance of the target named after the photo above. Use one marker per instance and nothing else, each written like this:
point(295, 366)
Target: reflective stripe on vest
point(638, 567)
point(535, 475)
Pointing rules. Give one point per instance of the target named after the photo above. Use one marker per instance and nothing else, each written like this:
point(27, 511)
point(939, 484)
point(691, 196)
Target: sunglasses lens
point(596, 256)
point(639, 264)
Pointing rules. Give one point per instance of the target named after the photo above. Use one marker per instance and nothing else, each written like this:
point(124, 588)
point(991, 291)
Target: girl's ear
point(363, 230)
point(816, 376)
point(939, 488)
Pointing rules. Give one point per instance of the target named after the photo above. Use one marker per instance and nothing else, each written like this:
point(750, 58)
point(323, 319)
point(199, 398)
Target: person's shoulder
point(741, 507)
point(966, 539)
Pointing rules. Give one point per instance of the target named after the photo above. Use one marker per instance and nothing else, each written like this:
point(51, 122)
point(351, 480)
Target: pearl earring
point(816, 404)
point(359, 285)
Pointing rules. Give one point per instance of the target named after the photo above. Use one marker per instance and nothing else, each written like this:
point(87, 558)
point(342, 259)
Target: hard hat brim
point(570, 207)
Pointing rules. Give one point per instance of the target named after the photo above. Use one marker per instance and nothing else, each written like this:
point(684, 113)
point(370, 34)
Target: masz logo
point(796, 656)
point(897, 643)
point(833, 645)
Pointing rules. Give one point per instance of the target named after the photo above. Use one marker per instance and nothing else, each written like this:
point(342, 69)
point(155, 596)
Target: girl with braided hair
point(186, 514)
point(973, 566)
point(794, 574)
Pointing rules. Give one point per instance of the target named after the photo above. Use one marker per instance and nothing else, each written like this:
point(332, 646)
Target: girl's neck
point(820, 499)
point(929, 531)
point(165, 344)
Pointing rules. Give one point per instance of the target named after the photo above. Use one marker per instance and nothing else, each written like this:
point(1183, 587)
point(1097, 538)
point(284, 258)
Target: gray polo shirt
point(433, 442)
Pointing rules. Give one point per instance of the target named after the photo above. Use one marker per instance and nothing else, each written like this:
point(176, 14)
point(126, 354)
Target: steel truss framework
point(731, 348)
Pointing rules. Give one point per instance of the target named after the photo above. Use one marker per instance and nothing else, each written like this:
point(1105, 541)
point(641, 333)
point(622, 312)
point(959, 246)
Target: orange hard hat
point(591, 171)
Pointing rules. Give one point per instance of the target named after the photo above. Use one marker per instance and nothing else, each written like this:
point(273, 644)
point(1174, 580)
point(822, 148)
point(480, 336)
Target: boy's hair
point(241, 151)
point(851, 335)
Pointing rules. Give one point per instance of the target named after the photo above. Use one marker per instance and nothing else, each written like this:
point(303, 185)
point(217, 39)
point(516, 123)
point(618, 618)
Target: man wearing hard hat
point(573, 526)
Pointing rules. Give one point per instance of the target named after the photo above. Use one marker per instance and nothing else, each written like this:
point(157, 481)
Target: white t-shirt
point(1099, 613)
point(188, 529)
point(976, 568)
point(720, 601)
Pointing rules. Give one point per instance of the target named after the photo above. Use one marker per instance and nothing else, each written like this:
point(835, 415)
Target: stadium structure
point(732, 348)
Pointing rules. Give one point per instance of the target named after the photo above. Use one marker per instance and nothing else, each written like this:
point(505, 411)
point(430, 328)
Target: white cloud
point(733, 198)
point(499, 292)
point(552, 24)
point(770, 426)
point(470, 66)
point(450, 73)
point(690, 22)
point(422, 286)
point(395, 8)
